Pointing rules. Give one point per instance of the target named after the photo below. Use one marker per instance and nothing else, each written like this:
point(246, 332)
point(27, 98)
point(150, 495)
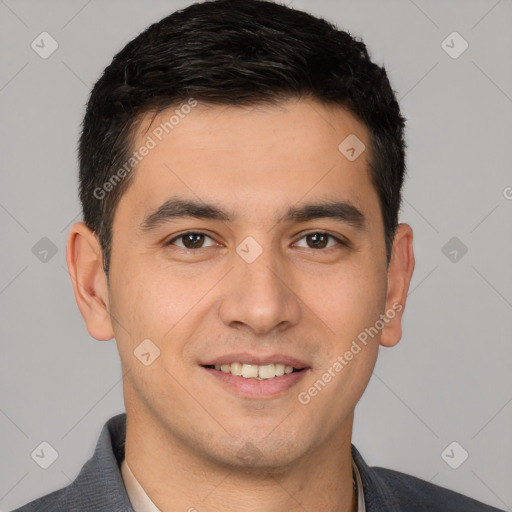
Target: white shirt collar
point(361, 507)
point(141, 502)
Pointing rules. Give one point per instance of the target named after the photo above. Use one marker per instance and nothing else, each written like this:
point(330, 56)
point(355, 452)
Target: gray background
point(448, 380)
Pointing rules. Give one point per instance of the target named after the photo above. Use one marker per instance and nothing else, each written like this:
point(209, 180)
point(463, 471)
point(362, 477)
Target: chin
point(265, 455)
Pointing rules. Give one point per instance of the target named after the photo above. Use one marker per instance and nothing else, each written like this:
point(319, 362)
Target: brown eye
point(320, 240)
point(191, 240)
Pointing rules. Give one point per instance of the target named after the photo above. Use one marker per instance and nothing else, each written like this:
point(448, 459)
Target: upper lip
point(260, 360)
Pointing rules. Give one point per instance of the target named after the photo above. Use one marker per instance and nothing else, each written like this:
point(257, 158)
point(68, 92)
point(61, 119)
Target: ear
point(400, 269)
point(85, 264)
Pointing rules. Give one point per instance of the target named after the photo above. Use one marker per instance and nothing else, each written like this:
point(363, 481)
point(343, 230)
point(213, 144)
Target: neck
point(176, 478)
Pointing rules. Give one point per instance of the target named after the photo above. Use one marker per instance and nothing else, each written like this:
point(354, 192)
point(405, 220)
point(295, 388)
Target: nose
point(261, 296)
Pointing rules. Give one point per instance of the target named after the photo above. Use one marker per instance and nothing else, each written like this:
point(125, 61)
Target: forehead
point(252, 158)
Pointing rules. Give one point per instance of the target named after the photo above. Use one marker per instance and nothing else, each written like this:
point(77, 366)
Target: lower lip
point(254, 388)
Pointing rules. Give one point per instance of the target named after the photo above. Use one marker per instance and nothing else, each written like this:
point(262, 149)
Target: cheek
point(350, 300)
point(158, 304)
point(350, 305)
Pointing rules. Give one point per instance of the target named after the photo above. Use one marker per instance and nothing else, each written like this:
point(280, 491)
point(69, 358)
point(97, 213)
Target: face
point(255, 284)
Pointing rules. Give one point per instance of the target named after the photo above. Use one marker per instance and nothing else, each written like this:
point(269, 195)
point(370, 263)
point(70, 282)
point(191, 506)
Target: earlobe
point(401, 267)
point(85, 265)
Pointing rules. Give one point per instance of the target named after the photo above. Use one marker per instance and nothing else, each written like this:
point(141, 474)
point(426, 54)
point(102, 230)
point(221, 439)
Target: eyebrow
point(177, 208)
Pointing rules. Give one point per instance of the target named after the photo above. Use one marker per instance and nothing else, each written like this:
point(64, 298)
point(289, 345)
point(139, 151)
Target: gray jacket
point(99, 486)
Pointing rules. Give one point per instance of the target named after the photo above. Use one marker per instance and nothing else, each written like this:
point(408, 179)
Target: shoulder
point(99, 485)
point(53, 502)
point(83, 495)
point(410, 493)
point(386, 490)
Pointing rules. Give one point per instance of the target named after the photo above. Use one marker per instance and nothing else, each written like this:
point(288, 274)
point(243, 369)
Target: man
point(240, 173)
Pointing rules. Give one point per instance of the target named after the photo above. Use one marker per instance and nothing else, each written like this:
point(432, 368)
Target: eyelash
point(340, 242)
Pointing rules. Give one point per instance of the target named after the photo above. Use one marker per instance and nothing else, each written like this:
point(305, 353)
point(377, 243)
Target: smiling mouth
point(255, 371)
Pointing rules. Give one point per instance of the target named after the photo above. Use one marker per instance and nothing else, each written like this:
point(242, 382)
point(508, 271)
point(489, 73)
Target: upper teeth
point(254, 371)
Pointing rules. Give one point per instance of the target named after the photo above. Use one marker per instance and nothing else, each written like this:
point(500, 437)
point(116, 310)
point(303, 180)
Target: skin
point(185, 431)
